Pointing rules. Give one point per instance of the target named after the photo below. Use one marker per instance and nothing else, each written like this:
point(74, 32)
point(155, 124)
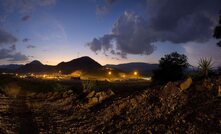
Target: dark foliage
point(217, 31)
point(171, 67)
point(219, 70)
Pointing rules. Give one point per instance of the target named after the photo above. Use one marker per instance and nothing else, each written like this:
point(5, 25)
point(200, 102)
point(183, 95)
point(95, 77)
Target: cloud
point(111, 1)
point(26, 18)
point(129, 36)
point(6, 37)
point(184, 20)
point(31, 46)
point(195, 51)
point(177, 22)
point(24, 6)
point(47, 2)
point(11, 54)
point(26, 40)
point(18, 57)
point(102, 10)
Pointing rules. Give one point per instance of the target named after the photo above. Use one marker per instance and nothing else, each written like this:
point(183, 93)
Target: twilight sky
point(109, 31)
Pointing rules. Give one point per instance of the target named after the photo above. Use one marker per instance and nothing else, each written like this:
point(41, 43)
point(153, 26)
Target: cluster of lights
point(42, 76)
point(135, 73)
point(59, 76)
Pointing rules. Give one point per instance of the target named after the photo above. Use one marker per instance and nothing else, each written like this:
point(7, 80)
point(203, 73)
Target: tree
point(219, 70)
point(205, 66)
point(217, 31)
point(171, 67)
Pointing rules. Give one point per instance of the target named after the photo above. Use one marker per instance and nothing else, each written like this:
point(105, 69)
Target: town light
point(109, 73)
point(135, 73)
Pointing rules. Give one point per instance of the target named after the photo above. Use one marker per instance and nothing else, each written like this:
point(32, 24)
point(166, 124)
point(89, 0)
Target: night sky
point(109, 31)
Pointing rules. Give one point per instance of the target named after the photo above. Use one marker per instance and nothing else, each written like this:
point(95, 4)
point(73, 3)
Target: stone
point(70, 91)
point(110, 92)
point(219, 91)
point(186, 84)
point(93, 101)
point(91, 94)
point(133, 102)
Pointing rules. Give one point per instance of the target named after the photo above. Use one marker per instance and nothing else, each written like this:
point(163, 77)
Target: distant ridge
point(138, 66)
point(10, 66)
point(35, 67)
point(85, 64)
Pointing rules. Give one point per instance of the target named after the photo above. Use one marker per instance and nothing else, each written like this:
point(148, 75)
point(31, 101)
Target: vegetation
point(88, 85)
point(217, 31)
point(205, 66)
point(219, 70)
point(172, 67)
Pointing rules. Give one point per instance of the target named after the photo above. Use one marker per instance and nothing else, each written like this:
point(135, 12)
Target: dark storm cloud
point(179, 21)
point(6, 37)
point(31, 46)
point(26, 18)
point(129, 35)
point(18, 57)
point(11, 54)
point(182, 21)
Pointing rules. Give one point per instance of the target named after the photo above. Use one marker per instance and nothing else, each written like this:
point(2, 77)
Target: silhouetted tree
point(219, 70)
point(172, 67)
point(217, 31)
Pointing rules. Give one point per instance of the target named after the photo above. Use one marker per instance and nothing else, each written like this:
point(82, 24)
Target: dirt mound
point(166, 109)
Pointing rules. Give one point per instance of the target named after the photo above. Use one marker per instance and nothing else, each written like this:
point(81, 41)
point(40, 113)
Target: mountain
point(138, 66)
point(85, 64)
point(9, 68)
point(35, 67)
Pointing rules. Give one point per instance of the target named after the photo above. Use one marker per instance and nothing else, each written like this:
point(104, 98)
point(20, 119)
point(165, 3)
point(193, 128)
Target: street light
point(135, 73)
point(109, 73)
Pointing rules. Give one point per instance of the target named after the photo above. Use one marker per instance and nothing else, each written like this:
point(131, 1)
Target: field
point(38, 85)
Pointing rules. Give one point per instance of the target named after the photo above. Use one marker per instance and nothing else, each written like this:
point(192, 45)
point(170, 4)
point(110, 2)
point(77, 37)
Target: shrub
point(219, 70)
point(205, 66)
point(172, 67)
point(88, 85)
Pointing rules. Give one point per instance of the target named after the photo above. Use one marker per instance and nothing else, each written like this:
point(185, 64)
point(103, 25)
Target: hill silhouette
point(138, 66)
point(35, 67)
point(84, 64)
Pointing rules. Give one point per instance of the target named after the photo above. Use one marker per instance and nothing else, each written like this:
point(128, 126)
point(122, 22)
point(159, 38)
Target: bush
point(219, 70)
point(88, 85)
point(172, 68)
point(205, 66)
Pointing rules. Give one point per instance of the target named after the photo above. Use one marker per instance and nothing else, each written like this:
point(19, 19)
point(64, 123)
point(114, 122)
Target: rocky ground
point(196, 108)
